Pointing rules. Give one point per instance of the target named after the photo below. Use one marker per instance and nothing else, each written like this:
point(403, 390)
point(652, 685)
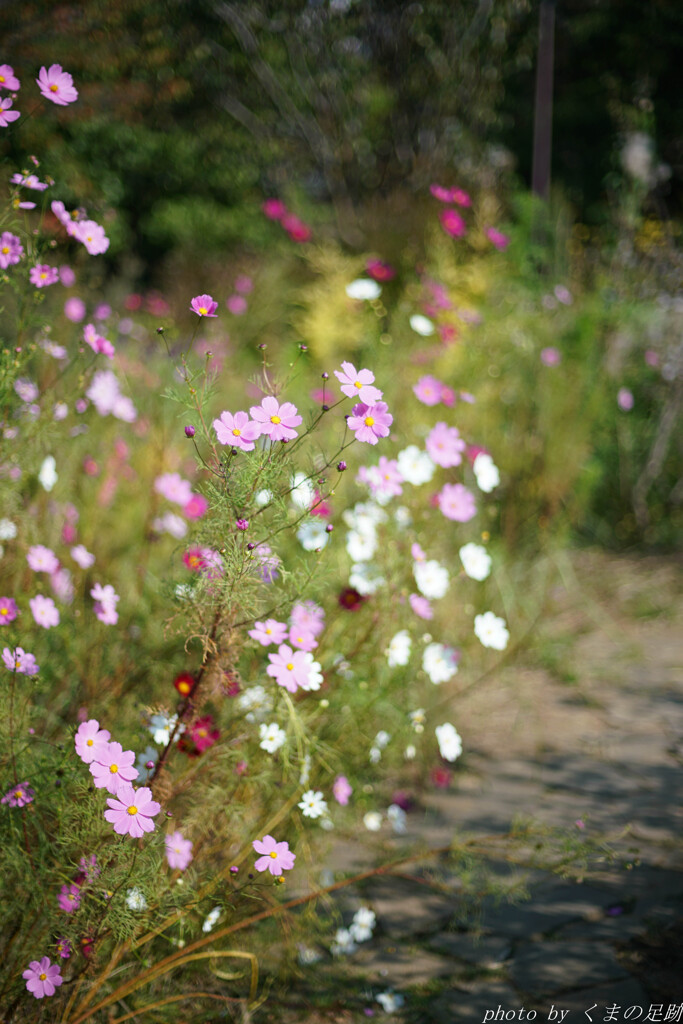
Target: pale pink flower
point(389, 482)
point(204, 305)
point(243, 284)
point(302, 639)
point(276, 857)
point(421, 606)
point(497, 238)
point(82, 556)
point(370, 422)
point(43, 275)
point(174, 488)
point(97, 342)
point(113, 767)
point(428, 390)
point(457, 503)
point(90, 740)
point(74, 308)
point(417, 553)
point(92, 235)
point(452, 223)
point(445, 446)
point(69, 898)
point(106, 600)
point(178, 851)
point(8, 80)
point(11, 249)
point(440, 193)
point(44, 611)
point(196, 507)
point(8, 610)
point(6, 114)
point(131, 812)
point(42, 559)
point(237, 430)
point(358, 384)
point(309, 616)
point(288, 668)
point(342, 790)
point(625, 399)
point(57, 85)
point(19, 795)
point(269, 632)
point(42, 976)
point(550, 356)
point(20, 661)
point(29, 181)
point(276, 421)
point(236, 304)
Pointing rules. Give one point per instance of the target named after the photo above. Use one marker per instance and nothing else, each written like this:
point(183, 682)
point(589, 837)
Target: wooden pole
point(543, 111)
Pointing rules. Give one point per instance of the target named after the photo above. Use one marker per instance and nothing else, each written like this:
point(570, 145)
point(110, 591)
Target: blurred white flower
point(398, 651)
point(421, 325)
point(312, 804)
point(440, 662)
point(415, 466)
point(48, 473)
point(361, 546)
point(486, 473)
point(432, 579)
point(450, 744)
point(365, 578)
point(272, 737)
point(135, 899)
point(476, 561)
point(373, 821)
point(8, 530)
point(363, 288)
point(211, 919)
point(491, 631)
point(303, 491)
point(390, 1001)
point(312, 534)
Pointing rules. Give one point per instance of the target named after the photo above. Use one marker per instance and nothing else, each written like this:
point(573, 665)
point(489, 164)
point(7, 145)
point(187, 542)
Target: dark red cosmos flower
point(350, 599)
point(184, 684)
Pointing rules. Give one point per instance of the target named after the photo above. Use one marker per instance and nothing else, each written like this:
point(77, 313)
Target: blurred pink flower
point(452, 223)
point(6, 114)
point(57, 85)
point(196, 507)
point(457, 503)
point(428, 390)
point(204, 305)
point(625, 399)
point(342, 790)
point(379, 270)
point(11, 249)
point(237, 305)
point(19, 795)
point(550, 356)
point(421, 606)
point(274, 209)
point(497, 238)
point(43, 275)
point(74, 308)
point(178, 851)
point(444, 445)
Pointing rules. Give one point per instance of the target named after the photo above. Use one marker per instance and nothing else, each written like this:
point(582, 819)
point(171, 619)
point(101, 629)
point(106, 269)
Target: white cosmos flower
point(170, 523)
point(421, 325)
point(364, 517)
point(272, 737)
point(303, 491)
point(410, 752)
point(486, 472)
point(8, 530)
point(211, 919)
point(491, 631)
point(417, 719)
point(390, 1001)
point(161, 727)
point(312, 534)
point(373, 821)
point(476, 561)
point(365, 578)
point(415, 466)
point(262, 498)
point(312, 804)
point(397, 816)
point(431, 578)
point(363, 288)
point(135, 899)
point(398, 651)
point(440, 662)
point(314, 676)
point(48, 473)
point(361, 546)
point(343, 942)
point(256, 701)
point(450, 744)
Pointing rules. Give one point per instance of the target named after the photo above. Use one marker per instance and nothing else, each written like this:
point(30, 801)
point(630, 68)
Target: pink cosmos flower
point(380, 271)
point(42, 977)
point(8, 610)
point(8, 80)
point(625, 399)
point(452, 223)
point(67, 277)
point(497, 239)
point(236, 304)
point(61, 582)
point(342, 790)
point(57, 85)
point(202, 734)
point(358, 384)
point(19, 795)
point(274, 209)
point(275, 420)
point(460, 197)
point(302, 639)
point(91, 741)
point(178, 851)
point(550, 356)
point(428, 390)
point(42, 559)
point(11, 249)
point(204, 305)
point(440, 193)
point(269, 632)
point(26, 389)
point(20, 661)
point(112, 767)
point(276, 857)
point(421, 606)
point(237, 430)
point(44, 611)
point(243, 284)
point(106, 600)
point(386, 482)
point(205, 561)
point(29, 181)
point(89, 866)
point(448, 396)
point(651, 358)
point(63, 948)
point(370, 422)
point(309, 616)
point(196, 507)
point(92, 235)
point(74, 308)
point(417, 553)
point(445, 446)
point(288, 668)
point(295, 228)
point(132, 810)
point(457, 503)
point(97, 342)
point(69, 898)
point(174, 488)
point(43, 275)
point(82, 556)
point(6, 114)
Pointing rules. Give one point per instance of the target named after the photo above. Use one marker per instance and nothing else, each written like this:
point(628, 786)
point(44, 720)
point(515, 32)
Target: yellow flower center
point(269, 631)
point(202, 311)
point(54, 88)
point(113, 768)
point(202, 732)
point(71, 896)
point(132, 810)
point(17, 663)
point(273, 854)
point(89, 743)
point(194, 561)
point(42, 977)
point(369, 421)
point(289, 666)
point(43, 276)
point(358, 384)
point(236, 432)
point(274, 419)
point(19, 793)
point(2, 78)
point(4, 611)
point(5, 249)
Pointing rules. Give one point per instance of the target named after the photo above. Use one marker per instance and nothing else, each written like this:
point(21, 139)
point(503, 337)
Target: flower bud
point(189, 430)
point(341, 466)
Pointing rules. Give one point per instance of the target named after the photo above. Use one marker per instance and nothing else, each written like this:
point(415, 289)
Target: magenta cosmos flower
point(90, 740)
point(274, 209)
point(497, 239)
point(43, 275)
point(8, 80)
point(204, 305)
point(196, 507)
point(11, 249)
point(178, 851)
point(97, 343)
point(112, 767)
point(452, 223)
point(69, 898)
point(42, 977)
point(42, 559)
point(44, 611)
point(20, 661)
point(445, 446)
point(370, 422)
point(57, 85)
point(358, 384)
point(379, 270)
point(457, 503)
point(266, 633)
point(276, 857)
point(132, 810)
point(19, 795)
point(275, 420)
point(238, 431)
point(6, 114)
point(288, 668)
point(8, 610)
